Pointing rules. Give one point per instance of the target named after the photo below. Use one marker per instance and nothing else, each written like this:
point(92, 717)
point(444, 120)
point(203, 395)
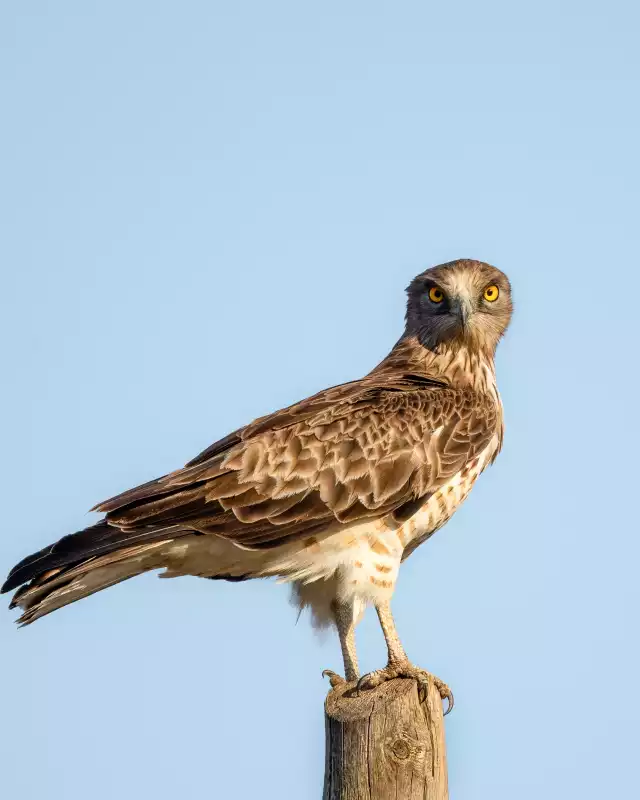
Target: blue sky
point(211, 210)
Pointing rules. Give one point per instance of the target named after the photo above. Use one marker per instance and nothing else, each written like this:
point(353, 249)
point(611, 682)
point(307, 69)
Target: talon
point(334, 678)
point(368, 681)
point(445, 694)
point(423, 690)
point(450, 702)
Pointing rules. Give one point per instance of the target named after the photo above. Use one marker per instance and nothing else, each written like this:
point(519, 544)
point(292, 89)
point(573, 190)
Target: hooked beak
point(462, 309)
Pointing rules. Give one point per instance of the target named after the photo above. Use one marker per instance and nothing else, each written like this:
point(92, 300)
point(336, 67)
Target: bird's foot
point(334, 679)
point(405, 669)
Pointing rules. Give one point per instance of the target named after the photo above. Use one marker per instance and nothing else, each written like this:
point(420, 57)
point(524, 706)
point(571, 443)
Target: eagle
point(330, 494)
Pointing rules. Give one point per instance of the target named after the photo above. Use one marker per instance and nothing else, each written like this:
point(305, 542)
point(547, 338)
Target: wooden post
point(385, 744)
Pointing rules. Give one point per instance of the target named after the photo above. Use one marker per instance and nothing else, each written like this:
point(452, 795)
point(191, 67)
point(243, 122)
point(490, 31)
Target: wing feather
point(355, 451)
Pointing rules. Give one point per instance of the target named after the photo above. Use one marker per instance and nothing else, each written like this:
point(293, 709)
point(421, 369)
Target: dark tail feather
point(86, 562)
point(93, 541)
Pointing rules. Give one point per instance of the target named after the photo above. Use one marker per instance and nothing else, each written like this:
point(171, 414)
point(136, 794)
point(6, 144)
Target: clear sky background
point(210, 210)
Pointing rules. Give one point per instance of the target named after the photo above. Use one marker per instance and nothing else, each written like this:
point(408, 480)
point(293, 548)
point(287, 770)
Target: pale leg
point(345, 623)
point(388, 625)
point(398, 665)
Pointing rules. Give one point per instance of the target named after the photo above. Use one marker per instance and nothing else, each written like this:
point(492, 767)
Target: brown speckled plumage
point(329, 494)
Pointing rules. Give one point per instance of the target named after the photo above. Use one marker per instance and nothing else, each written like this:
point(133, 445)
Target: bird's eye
point(436, 295)
point(491, 293)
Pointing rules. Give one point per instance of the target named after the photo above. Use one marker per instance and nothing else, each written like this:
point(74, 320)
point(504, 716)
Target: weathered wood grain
point(385, 744)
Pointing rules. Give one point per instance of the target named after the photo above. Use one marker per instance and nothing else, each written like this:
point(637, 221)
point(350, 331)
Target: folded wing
point(356, 451)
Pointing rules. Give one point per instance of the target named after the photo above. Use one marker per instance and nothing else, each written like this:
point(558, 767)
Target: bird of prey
point(330, 494)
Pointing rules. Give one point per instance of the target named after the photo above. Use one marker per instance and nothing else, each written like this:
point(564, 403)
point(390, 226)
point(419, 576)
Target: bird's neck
point(456, 364)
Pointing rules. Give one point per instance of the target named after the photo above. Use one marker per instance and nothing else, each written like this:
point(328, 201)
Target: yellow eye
point(491, 293)
point(436, 295)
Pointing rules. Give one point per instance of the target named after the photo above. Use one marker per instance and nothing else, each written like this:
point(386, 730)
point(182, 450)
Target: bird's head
point(466, 302)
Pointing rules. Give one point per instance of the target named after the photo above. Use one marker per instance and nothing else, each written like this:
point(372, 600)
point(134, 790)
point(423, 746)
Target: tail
point(83, 563)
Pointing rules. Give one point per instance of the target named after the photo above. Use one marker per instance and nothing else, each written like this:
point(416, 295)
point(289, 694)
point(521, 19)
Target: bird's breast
point(440, 506)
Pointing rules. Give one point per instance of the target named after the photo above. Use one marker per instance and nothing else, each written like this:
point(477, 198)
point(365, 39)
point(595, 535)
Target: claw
point(445, 694)
point(372, 679)
point(360, 683)
point(450, 703)
point(334, 678)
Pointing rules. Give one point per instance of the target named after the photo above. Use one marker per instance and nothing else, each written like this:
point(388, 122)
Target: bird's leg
point(398, 665)
point(388, 625)
point(345, 622)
